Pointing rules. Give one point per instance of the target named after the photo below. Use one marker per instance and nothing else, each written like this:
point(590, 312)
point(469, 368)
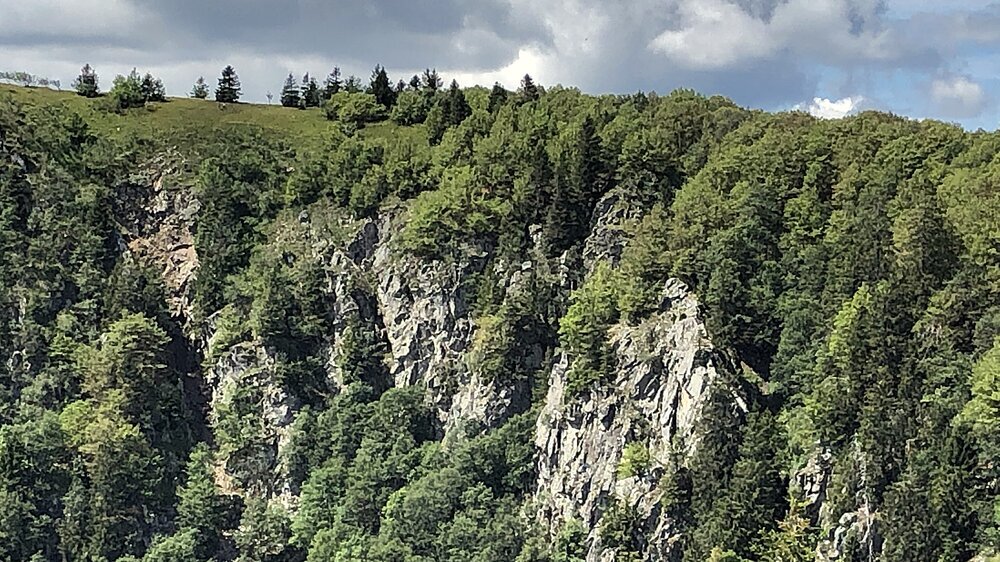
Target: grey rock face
point(666, 369)
point(251, 417)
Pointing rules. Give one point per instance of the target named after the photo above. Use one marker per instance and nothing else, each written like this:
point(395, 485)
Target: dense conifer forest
point(202, 302)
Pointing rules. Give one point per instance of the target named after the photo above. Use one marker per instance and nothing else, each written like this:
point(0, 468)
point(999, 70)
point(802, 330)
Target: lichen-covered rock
point(666, 367)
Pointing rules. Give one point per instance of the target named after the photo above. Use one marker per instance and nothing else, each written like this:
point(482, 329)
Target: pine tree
point(414, 83)
point(229, 86)
point(86, 84)
point(381, 87)
point(333, 83)
point(529, 91)
point(400, 87)
point(498, 97)
point(290, 92)
point(200, 89)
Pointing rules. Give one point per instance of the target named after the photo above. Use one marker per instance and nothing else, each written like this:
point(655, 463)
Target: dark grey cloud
point(396, 33)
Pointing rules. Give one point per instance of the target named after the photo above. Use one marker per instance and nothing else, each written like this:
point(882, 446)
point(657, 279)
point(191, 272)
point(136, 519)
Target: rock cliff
point(421, 310)
point(666, 367)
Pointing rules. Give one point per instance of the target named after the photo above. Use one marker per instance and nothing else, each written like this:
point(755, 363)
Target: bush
point(452, 212)
point(354, 109)
point(635, 460)
point(411, 108)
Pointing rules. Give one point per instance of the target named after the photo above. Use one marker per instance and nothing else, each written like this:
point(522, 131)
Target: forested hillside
point(473, 325)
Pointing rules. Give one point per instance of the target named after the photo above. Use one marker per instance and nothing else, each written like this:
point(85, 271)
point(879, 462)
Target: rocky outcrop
point(157, 212)
point(666, 367)
point(252, 418)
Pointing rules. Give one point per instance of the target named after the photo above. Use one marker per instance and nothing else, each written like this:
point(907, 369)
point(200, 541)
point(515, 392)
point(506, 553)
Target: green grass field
point(188, 124)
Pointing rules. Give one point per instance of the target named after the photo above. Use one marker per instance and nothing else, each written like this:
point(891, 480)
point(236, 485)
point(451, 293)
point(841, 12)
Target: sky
point(920, 58)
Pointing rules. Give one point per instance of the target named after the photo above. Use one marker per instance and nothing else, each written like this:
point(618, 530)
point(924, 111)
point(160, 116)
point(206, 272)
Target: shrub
point(411, 108)
point(635, 460)
point(355, 109)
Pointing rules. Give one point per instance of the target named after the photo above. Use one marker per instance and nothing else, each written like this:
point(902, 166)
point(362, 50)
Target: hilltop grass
point(190, 124)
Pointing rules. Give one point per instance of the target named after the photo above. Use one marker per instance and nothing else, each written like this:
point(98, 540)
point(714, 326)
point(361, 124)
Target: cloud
point(958, 97)
point(764, 53)
point(716, 34)
point(832, 109)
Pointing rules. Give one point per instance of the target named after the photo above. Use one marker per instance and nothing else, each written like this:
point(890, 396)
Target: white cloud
point(832, 109)
point(715, 34)
point(958, 97)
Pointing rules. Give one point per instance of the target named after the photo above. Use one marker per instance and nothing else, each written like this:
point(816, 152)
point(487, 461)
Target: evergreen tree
point(352, 85)
point(498, 97)
point(456, 107)
point(431, 81)
point(381, 87)
point(290, 96)
point(333, 83)
point(152, 89)
point(86, 84)
point(201, 508)
point(414, 83)
point(310, 92)
point(529, 91)
point(229, 86)
point(200, 89)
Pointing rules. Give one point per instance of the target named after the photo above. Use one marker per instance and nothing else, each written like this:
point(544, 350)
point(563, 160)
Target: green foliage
point(201, 510)
point(228, 90)
point(635, 460)
point(86, 84)
point(571, 543)
point(850, 266)
point(126, 92)
point(411, 108)
point(175, 548)
point(584, 330)
point(290, 96)
point(454, 209)
point(354, 109)
point(200, 89)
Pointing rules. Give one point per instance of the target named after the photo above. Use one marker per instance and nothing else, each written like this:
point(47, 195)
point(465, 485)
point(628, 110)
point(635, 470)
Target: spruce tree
point(529, 91)
point(456, 107)
point(200, 89)
point(86, 84)
point(229, 86)
point(381, 87)
point(290, 92)
point(201, 508)
point(498, 97)
point(310, 92)
point(333, 83)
